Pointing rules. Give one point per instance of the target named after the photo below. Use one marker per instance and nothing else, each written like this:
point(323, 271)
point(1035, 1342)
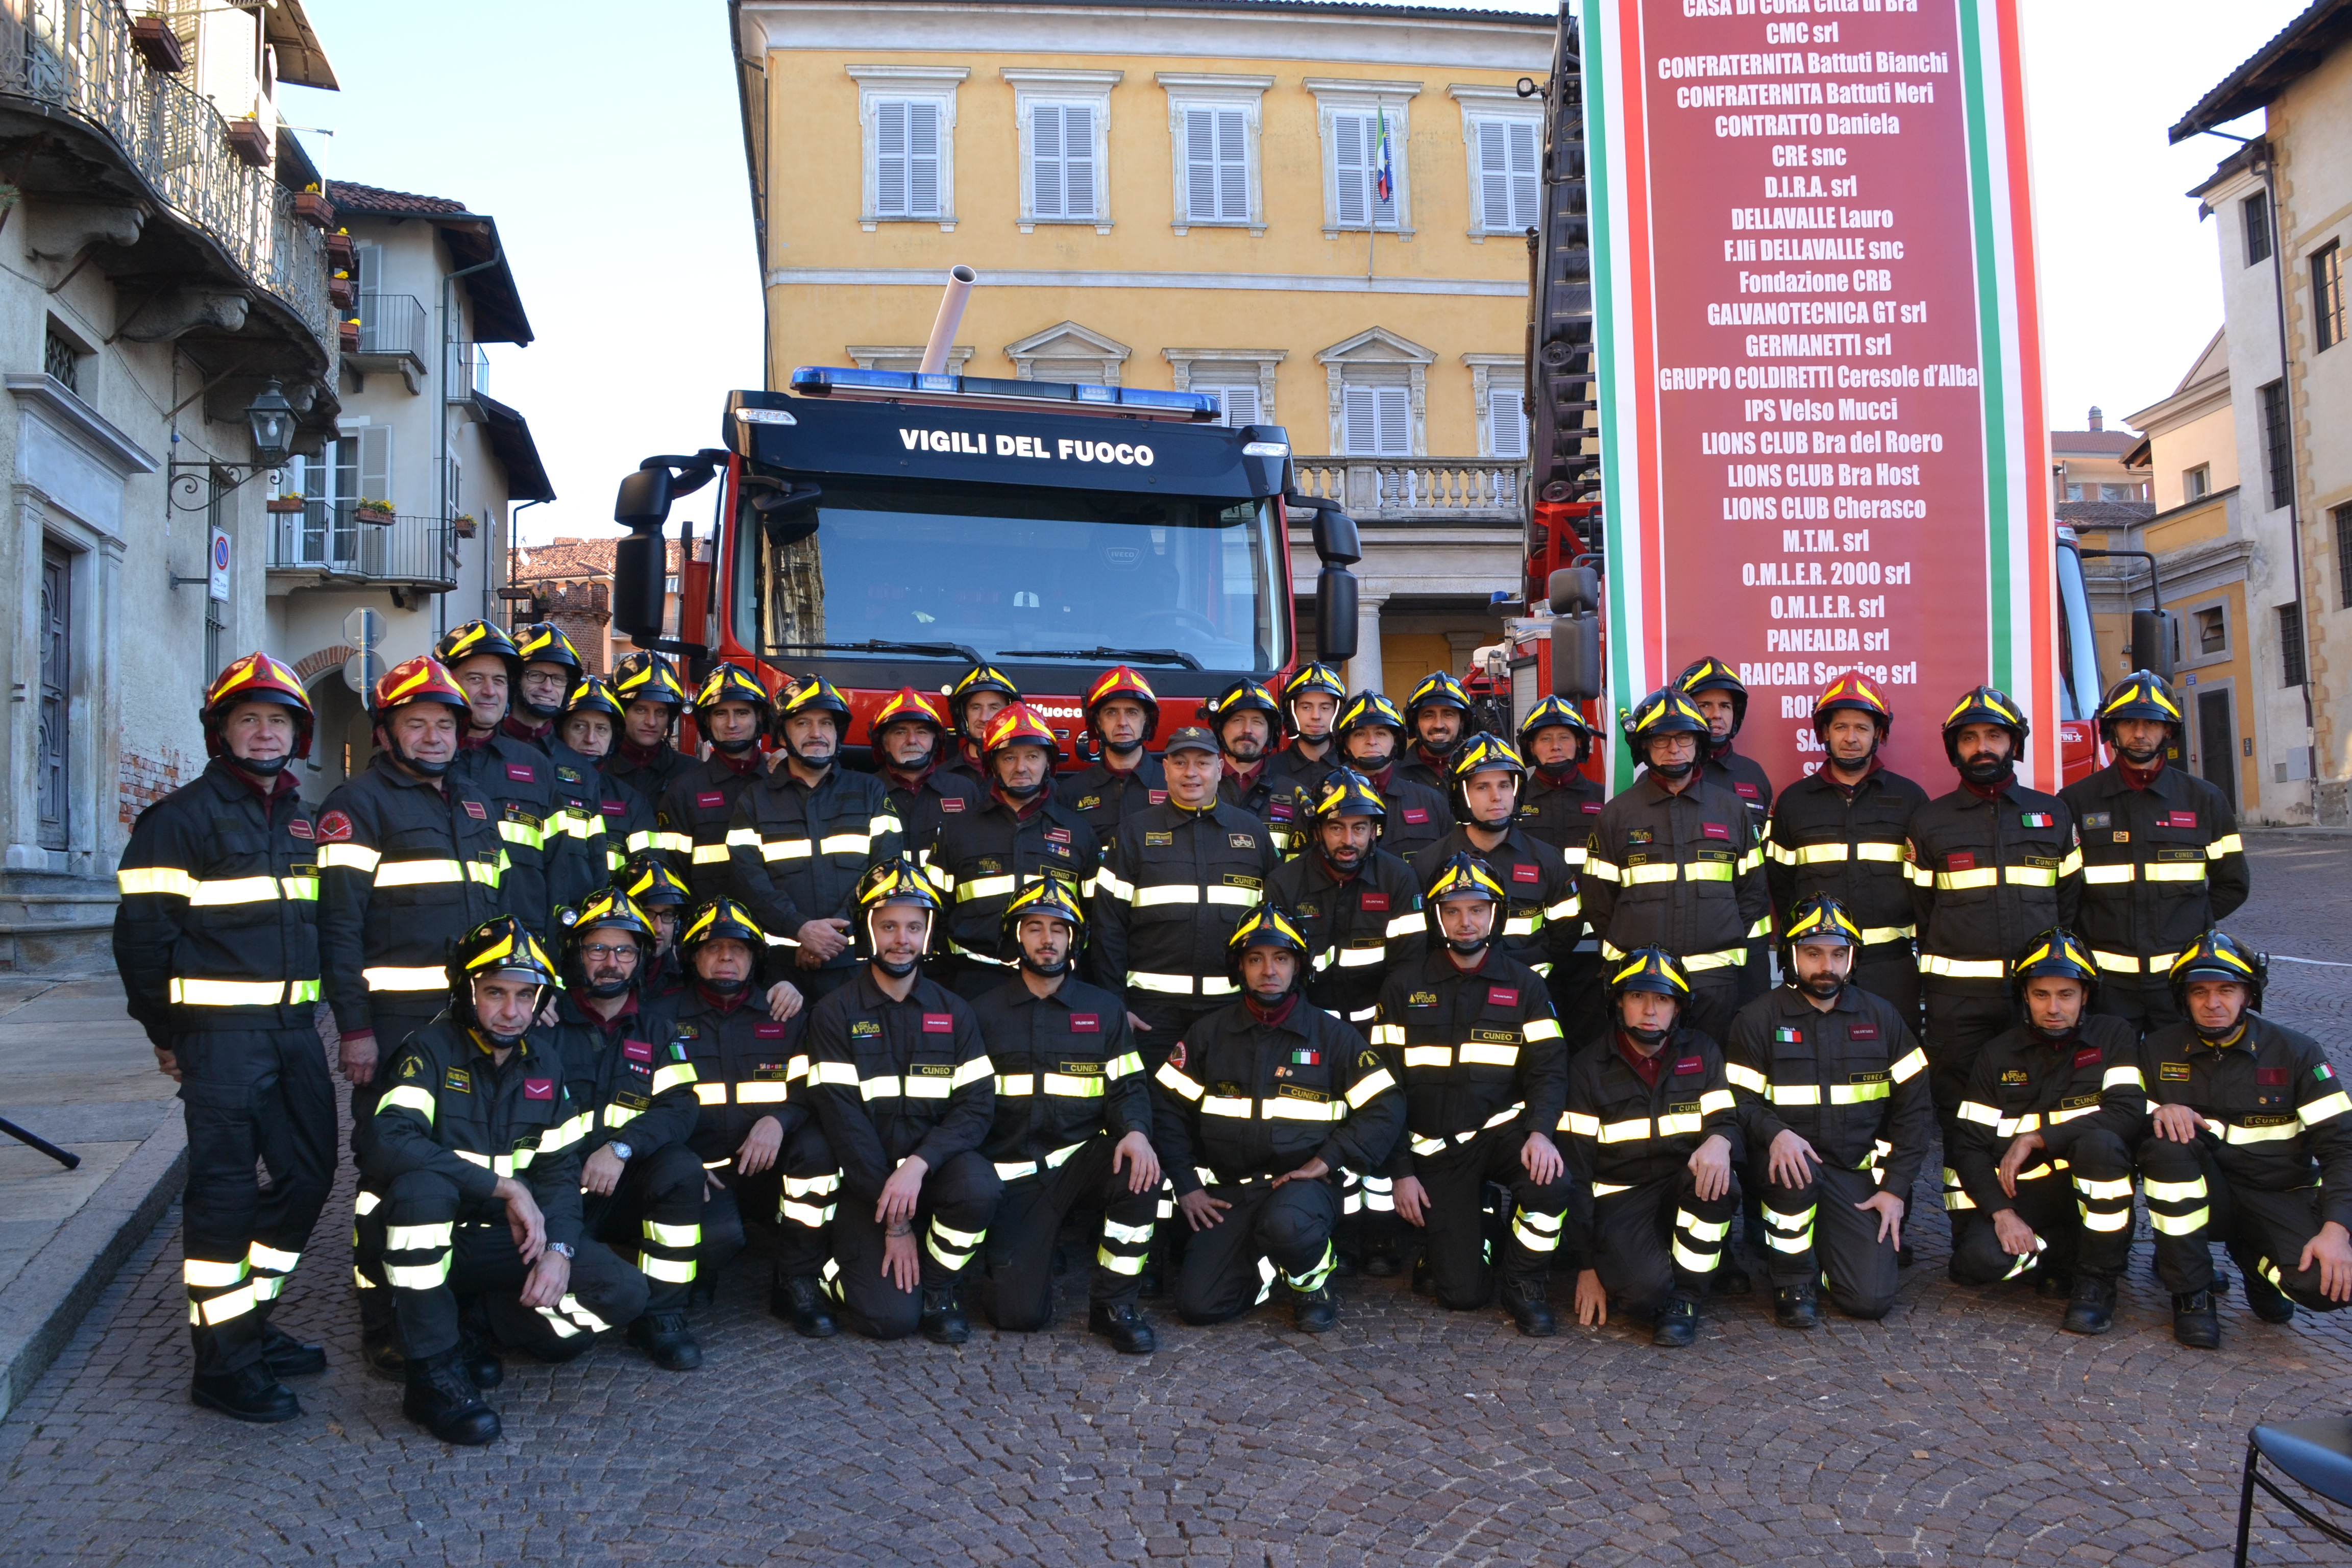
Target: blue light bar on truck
point(992, 392)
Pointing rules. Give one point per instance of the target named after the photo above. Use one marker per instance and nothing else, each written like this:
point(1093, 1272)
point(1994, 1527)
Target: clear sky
point(604, 139)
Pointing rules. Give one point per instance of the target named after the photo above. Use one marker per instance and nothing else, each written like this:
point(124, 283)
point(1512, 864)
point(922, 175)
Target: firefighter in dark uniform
point(1715, 691)
point(646, 685)
point(978, 695)
point(1842, 833)
point(1650, 1140)
point(1242, 717)
point(906, 737)
point(1674, 864)
point(1370, 733)
point(217, 940)
point(1557, 807)
point(470, 1192)
point(551, 675)
point(1543, 924)
point(1435, 716)
point(757, 1138)
point(661, 897)
point(1171, 889)
point(901, 1084)
point(1311, 699)
point(692, 817)
point(513, 775)
point(1358, 905)
point(1992, 863)
point(1122, 713)
point(2054, 1108)
point(2162, 861)
point(631, 1082)
point(804, 835)
point(1072, 1128)
point(1257, 1109)
point(1832, 1088)
point(2244, 1114)
point(1486, 1080)
point(1019, 836)
point(590, 722)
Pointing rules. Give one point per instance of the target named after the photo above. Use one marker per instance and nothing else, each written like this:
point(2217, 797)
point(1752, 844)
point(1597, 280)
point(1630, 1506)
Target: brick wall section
point(583, 610)
point(146, 780)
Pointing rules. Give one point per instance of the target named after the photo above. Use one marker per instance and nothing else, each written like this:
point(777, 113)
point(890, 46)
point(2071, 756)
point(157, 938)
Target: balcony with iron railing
point(393, 338)
point(469, 372)
point(330, 542)
point(1445, 491)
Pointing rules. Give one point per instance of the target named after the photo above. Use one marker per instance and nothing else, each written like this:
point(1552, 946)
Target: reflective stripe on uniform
point(420, 1100)
point(347, 857)
point(399, 977)
point(245, 993)
point(418, 873)
point(1962, 968)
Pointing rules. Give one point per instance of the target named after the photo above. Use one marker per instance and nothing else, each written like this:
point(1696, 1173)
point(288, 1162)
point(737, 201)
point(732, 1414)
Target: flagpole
point(1372, 197)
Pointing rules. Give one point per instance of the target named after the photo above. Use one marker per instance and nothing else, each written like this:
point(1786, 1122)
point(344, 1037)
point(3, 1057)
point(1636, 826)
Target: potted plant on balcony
point(340, 291)
point(339, 248)
point(464, 523)
point(311, 206)
point(250, 142)
point(373, 511)
point(289, 502)
point(158, 44)
point(351, 336)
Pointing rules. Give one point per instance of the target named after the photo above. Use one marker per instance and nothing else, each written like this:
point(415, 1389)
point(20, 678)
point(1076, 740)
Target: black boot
point(1677, 1323)
point(2266, 1300)
point(1422, 1285)
point(2195, 1323)
point(1523, 1300)
point(288, 1356)
point(1383, 1260)
point(443, 1401)
point(800, 1301)
point(944, 1322)
point(1123, 1326)
point(381, 1355)
point(2092, 1310)
point(1314, 1312)
point(1731, 1275)
point(483, 1367)
point(250, 1393)
point(664, 1337)
point(701, 1293)
point(1796, 1307)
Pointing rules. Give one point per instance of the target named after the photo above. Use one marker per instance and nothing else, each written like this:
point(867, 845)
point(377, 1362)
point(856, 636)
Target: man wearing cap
point(908, 736)
point(2162, 861)
point(1310, 708)
point(1173, 888)
point(1371, 731)
point(1242, 717)
point(647, 687)
point(693, 814)
point(1121, 713)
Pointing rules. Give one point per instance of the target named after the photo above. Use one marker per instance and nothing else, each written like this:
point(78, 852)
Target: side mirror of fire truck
point(1575, 595)
point(1574, 591)
point(1339, 546)
point(2151, 641)
point(642, 507)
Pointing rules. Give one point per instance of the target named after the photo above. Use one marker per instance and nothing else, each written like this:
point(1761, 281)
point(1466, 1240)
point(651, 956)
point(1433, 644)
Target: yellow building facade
point(1315, 212)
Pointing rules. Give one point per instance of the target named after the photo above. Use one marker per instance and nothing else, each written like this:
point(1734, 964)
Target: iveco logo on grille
point(1123, 555)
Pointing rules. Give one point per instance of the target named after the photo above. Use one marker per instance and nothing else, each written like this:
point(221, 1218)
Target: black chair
point(2317, 1456)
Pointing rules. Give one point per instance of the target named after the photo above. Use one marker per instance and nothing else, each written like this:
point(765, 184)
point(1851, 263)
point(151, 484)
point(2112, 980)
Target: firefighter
point(2162, 862)
point(1310, 709)
point(2053, 1107)
point(1436, 715)
point(901, 1083)
point(803, 836)
point(1257, 1108)
point(632, 1083)
point(692, 817)
point(1173, 888)
point(1991, 863)
point(1542, 925)
point(589, 722)
point(978, 695)
point(906, 736)
point(1071, 1128)
point(1370, 732)
point(1674, 864)
point(470, 1192)
point(1122, 713)
point(2245, 1112)
point(1832, 1090)
point(1842, 834)
point(1242, 717)
point(1358, 905)
point(553, 675)
point(757, 1138)
point(1652, 1142)
point(651, 699)
point(217, 940)
point(1556, 808)
point(1486, 1082)
point(662, 897)
point(513, 775)
point(1715, 691)
point(1018, 837)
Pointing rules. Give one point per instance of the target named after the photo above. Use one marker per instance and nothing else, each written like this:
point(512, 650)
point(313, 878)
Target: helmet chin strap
point(736, 748)
point(1673, 770)
point(415, 764)
point(1123, 748)
point(1984, 771)
point(1644, 1037)
point(1054, 971)
point(723, 987)
point(611, 987)
point(1824, 987)
point(896, 971)
point(261, 767)
point(2216, 1037)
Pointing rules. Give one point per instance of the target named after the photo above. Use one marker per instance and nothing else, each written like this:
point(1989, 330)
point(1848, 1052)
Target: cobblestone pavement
point(1963, 1429)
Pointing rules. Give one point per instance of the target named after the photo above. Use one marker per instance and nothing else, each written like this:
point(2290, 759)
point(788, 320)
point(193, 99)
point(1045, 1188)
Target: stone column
point(1364, 670)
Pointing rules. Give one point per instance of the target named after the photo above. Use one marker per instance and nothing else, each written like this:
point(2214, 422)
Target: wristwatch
point(621, 1150)
point(560, 1248)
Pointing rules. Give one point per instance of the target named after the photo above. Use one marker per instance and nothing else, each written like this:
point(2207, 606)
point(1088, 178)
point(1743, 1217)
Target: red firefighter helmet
point(255, 678)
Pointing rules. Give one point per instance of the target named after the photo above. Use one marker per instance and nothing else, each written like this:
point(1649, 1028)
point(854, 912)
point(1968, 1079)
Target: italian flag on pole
point(1821, 409)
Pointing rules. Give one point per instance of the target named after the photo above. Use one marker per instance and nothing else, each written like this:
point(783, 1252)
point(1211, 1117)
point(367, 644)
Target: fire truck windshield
point(1013, 571)
point(2079, 691)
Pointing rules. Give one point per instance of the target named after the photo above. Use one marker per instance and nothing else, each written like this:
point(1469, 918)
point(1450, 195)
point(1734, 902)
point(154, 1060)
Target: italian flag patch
point(2037, 819)
point(1788, 1036)
point(1306, 1056)
point(2323, 1072)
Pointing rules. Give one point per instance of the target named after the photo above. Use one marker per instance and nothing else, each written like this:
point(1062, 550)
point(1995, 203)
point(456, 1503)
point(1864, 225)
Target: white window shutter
point(1237, 405)
point(1525, 209)
point(1360, 422)
point(890, 160)
point(1046, 148)
point(1506, 417)
point(1351, 166)
point(1396, 422)
point(1200, 164)
point(1079, 160)
point(1494, 175)
point(1232, 166)
point(923, 160)
point(375, 462)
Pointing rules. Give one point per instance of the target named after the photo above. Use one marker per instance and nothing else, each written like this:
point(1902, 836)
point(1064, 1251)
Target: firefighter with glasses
point(2054, 1106)
point(693, 814)
point(1557, 807)
point(2162, 861)
point(1832, 1090)
point(644, 755)
point(1072, 1128)
point(1121, 713)
point(1371, 732)
point(1258, 1107)
point(217, 940)
point(2244, 1113)
point(1484, 1071)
